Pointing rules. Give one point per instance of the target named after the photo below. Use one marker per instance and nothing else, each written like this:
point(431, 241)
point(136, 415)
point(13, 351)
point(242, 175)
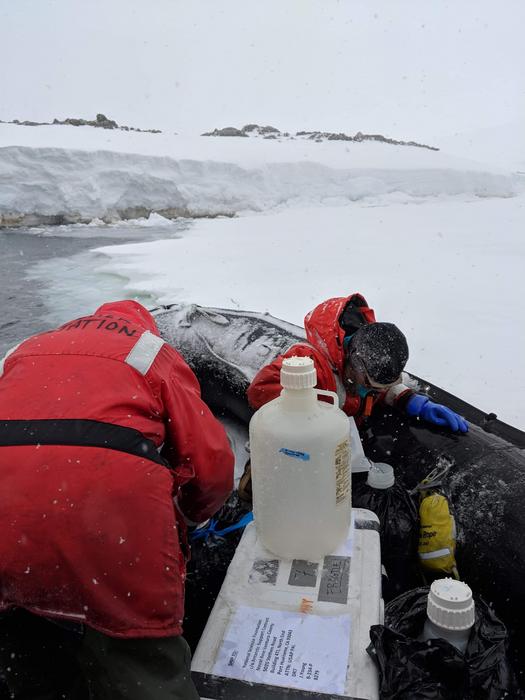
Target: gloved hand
point(422, 407)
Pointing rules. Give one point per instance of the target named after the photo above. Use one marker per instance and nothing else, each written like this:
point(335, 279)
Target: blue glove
point(422, 407)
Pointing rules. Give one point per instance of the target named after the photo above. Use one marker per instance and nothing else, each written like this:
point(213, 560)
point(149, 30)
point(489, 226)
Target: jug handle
point(331, 394)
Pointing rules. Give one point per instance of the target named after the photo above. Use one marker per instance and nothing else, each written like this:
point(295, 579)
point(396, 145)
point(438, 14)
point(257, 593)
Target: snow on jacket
point(89, 527)
point(325, 338)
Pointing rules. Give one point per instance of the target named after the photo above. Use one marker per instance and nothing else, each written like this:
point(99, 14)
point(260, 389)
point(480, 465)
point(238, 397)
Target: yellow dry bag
point(437, 535)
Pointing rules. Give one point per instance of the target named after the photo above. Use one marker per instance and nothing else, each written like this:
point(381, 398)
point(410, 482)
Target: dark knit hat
point(380, 349)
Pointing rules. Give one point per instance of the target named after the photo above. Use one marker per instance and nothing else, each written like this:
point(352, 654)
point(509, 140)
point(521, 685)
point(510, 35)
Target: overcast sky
point(405, 68)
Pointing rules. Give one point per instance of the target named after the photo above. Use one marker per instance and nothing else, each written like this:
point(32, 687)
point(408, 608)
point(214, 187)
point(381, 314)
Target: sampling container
point(300, 457)
point(450, 613)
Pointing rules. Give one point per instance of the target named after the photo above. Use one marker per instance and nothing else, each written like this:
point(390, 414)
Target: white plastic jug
point(300, 458)
point(450, 613)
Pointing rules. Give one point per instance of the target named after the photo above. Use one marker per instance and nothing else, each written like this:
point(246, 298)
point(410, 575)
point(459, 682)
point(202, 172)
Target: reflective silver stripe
point(144, 352)
point(394, 392)
point(435, 554)
point(4, 358)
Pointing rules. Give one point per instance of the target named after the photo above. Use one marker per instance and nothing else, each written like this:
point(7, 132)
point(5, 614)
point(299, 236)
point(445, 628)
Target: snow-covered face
point(357, 380)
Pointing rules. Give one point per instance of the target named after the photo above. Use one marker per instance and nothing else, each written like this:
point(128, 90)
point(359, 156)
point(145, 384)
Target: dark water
point(48, 276)
point(23, 301)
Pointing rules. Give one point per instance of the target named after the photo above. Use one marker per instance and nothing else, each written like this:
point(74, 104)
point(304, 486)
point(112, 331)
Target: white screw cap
point(298, 373)
point(380, 476)
point(450, 604)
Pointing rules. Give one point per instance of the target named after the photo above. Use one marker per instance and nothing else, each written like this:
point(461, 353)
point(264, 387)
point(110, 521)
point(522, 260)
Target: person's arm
point(266, 385)
point(415, 405)
point(397, 396)
point(200, 444)
point(420, 406)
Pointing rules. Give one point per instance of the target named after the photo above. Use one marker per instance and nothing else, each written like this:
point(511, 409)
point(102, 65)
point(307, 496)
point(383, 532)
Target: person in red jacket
point(359, 358)
point(106, 453)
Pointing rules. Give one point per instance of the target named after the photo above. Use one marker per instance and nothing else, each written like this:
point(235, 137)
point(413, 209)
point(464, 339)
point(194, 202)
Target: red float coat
point(325, 346)
point(89, 531)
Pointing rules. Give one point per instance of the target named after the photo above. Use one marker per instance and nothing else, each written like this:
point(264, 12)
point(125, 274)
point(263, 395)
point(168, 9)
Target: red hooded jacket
point(89, 528)
point(325, 338)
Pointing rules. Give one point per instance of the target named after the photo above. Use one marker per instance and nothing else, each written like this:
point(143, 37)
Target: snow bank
point(446, 271)
point(206, 176)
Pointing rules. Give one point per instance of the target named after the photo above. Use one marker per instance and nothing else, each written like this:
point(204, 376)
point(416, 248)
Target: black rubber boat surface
point(486, 478)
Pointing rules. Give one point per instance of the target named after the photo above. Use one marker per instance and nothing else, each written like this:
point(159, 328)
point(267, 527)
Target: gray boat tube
point(485, 479)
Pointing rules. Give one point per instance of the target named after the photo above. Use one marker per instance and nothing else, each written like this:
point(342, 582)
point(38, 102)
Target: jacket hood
point(131, 311)
point(324, 332)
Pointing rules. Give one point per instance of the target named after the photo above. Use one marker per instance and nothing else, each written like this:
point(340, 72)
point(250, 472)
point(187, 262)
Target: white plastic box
point(278, 624)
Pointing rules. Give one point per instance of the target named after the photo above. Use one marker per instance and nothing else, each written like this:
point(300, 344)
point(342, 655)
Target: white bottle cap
point(450, 604)
point(298, 373)
point(380, 476)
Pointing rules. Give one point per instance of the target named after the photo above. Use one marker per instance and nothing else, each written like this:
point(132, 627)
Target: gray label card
point(334, 580)
point(264, 571)
point(303, 573)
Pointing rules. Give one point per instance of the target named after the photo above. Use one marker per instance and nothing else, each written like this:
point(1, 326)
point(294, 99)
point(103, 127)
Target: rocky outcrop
point(100, 122)
point(383, 139)
point(324, 136)
point(271, 132)
point(249, 130)
point(227, 131)
point(257, 130)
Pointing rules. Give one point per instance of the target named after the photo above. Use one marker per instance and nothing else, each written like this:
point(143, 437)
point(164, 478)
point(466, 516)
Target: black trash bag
point(206, 569)
point(436, 670)
point(398, 531)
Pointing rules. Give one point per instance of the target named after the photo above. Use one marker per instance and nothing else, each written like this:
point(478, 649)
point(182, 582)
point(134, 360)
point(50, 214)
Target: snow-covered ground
point(446, 270)
point(433, 239)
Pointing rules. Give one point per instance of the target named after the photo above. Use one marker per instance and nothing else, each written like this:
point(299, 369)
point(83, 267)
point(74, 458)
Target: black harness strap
point(79, 433)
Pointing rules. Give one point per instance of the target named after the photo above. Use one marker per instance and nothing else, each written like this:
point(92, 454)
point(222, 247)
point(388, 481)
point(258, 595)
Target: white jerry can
point(300, 458)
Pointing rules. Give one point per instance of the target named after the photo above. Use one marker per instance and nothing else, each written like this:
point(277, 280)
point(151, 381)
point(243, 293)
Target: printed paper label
point(287, 649)
point(342, 471)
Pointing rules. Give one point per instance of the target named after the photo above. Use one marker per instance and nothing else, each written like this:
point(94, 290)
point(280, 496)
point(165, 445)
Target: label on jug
point(295, 453)
point(342, 471)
